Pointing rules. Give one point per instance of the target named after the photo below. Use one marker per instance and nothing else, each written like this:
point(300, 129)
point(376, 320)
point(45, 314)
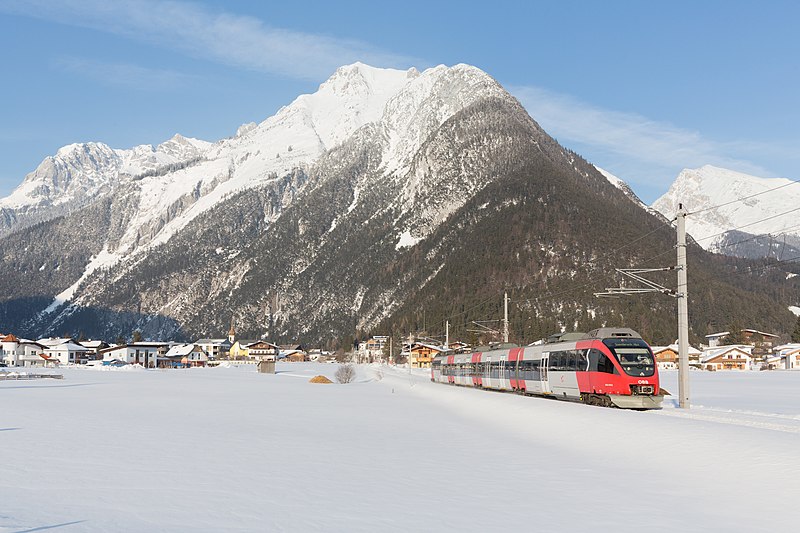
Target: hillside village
point(756, 350)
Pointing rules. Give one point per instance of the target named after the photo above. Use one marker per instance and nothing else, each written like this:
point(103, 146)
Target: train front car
point(621, 370)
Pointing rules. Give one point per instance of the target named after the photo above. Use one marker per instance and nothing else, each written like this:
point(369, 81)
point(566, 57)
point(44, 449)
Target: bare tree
point(346, 373)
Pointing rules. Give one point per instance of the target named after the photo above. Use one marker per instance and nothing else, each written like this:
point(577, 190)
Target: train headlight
point(643, 389)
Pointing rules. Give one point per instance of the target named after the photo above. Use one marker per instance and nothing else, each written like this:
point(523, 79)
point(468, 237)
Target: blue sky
point(640, 88)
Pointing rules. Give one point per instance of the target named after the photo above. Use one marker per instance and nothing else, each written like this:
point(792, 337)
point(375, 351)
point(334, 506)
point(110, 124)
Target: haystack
point(319, 379)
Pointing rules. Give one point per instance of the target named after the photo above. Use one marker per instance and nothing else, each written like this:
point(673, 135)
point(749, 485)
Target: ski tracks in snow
point(753, 419)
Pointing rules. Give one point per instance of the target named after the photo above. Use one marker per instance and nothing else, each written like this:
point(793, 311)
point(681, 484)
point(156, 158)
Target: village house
point(667, 356)
point(67, 352)
point(294, 356)
point(136, 353)
point(716, 339)
point(263, 350)
point(240, 349)
point(317, 354)
point(94, 347)
point(215, 348)
point(459, 347)
point(738, 357)
point(372, 349)
point(759, 339)
point(785, 357)
point(183, 356)
point(20, 352)
point(420, 355)
point(62, 350)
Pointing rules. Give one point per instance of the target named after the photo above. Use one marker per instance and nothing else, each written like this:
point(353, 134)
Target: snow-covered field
point(228, 449)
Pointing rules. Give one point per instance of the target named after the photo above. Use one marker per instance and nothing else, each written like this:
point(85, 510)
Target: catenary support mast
point(505, 317)
point(683, 313)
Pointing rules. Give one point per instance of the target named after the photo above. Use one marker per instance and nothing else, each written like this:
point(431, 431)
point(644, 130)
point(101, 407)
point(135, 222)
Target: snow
point(405, 105)
point(228, 449)
point(794, 309)
point(406, 240)
point(103, 259)
point(710, 186)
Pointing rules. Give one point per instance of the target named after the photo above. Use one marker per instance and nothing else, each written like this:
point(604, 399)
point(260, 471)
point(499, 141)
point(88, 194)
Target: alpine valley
point(386, 202)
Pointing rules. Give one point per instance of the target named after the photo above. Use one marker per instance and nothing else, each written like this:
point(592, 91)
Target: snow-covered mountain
point(80, 173)
point(384, 195)
point(768, 210)
point(620, 184)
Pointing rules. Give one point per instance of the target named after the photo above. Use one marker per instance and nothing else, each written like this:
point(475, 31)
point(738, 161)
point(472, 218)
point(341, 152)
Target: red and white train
point(607, 366)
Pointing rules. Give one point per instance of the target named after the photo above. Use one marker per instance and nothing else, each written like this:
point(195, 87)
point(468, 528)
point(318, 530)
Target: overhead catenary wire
point(748, 224)
point(592, 281)
point(792, 182)
point(784, 232)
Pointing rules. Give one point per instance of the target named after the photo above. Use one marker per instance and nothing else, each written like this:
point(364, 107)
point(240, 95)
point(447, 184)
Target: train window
point(604, 364)
point(510, 369)
point(529, 370)
point(582, 360)
point(573, 361)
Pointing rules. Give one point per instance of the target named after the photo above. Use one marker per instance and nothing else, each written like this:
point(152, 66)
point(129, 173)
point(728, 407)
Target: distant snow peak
point(759, 213)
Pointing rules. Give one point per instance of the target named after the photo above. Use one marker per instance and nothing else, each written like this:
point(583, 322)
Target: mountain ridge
point(719, 229)
point(344, 224)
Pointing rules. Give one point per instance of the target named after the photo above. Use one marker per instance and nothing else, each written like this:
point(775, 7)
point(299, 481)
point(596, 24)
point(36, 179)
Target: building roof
point(69, 346)
point(429, 346)
point(54, 341)
point(135, 345)
point(722, 350)
point(718, 335)
point(182, 350)
point(212, 341)
point(762, 333)
point(93, 344)
point(675, 348)
point(244, 344)
point(9, 338)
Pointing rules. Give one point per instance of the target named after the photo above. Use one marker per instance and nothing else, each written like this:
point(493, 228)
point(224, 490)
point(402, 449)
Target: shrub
point(346, 373)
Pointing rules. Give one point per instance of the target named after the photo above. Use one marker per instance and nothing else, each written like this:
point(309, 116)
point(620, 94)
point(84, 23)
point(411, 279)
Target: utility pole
point(447, 335)
point(505, 317)
point(683, 313)
point(637, 274)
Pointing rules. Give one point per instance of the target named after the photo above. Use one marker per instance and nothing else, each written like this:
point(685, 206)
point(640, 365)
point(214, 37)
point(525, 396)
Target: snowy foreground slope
point(228, 449)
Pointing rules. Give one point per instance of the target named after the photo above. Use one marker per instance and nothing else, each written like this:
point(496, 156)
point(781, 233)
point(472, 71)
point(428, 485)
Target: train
point(610, 367)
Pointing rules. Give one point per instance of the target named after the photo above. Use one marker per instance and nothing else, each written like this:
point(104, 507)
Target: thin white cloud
point(124, 74)
point(230, 39)
point(637, 149)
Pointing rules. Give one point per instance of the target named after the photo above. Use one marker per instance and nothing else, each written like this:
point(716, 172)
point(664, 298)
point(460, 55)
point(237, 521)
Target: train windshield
point(633, 355)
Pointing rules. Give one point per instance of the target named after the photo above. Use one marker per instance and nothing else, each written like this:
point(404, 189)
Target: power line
point(767, 267)
point(747, 225)
point(759, 236)
point(792, 182)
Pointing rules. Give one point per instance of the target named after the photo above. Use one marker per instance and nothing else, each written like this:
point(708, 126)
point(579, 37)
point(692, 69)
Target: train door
point(503, 381)
point(562, 373)
point(544, 374)
point(488, 379)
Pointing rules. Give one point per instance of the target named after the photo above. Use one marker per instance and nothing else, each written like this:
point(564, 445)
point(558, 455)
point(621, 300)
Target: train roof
point(606, 333)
